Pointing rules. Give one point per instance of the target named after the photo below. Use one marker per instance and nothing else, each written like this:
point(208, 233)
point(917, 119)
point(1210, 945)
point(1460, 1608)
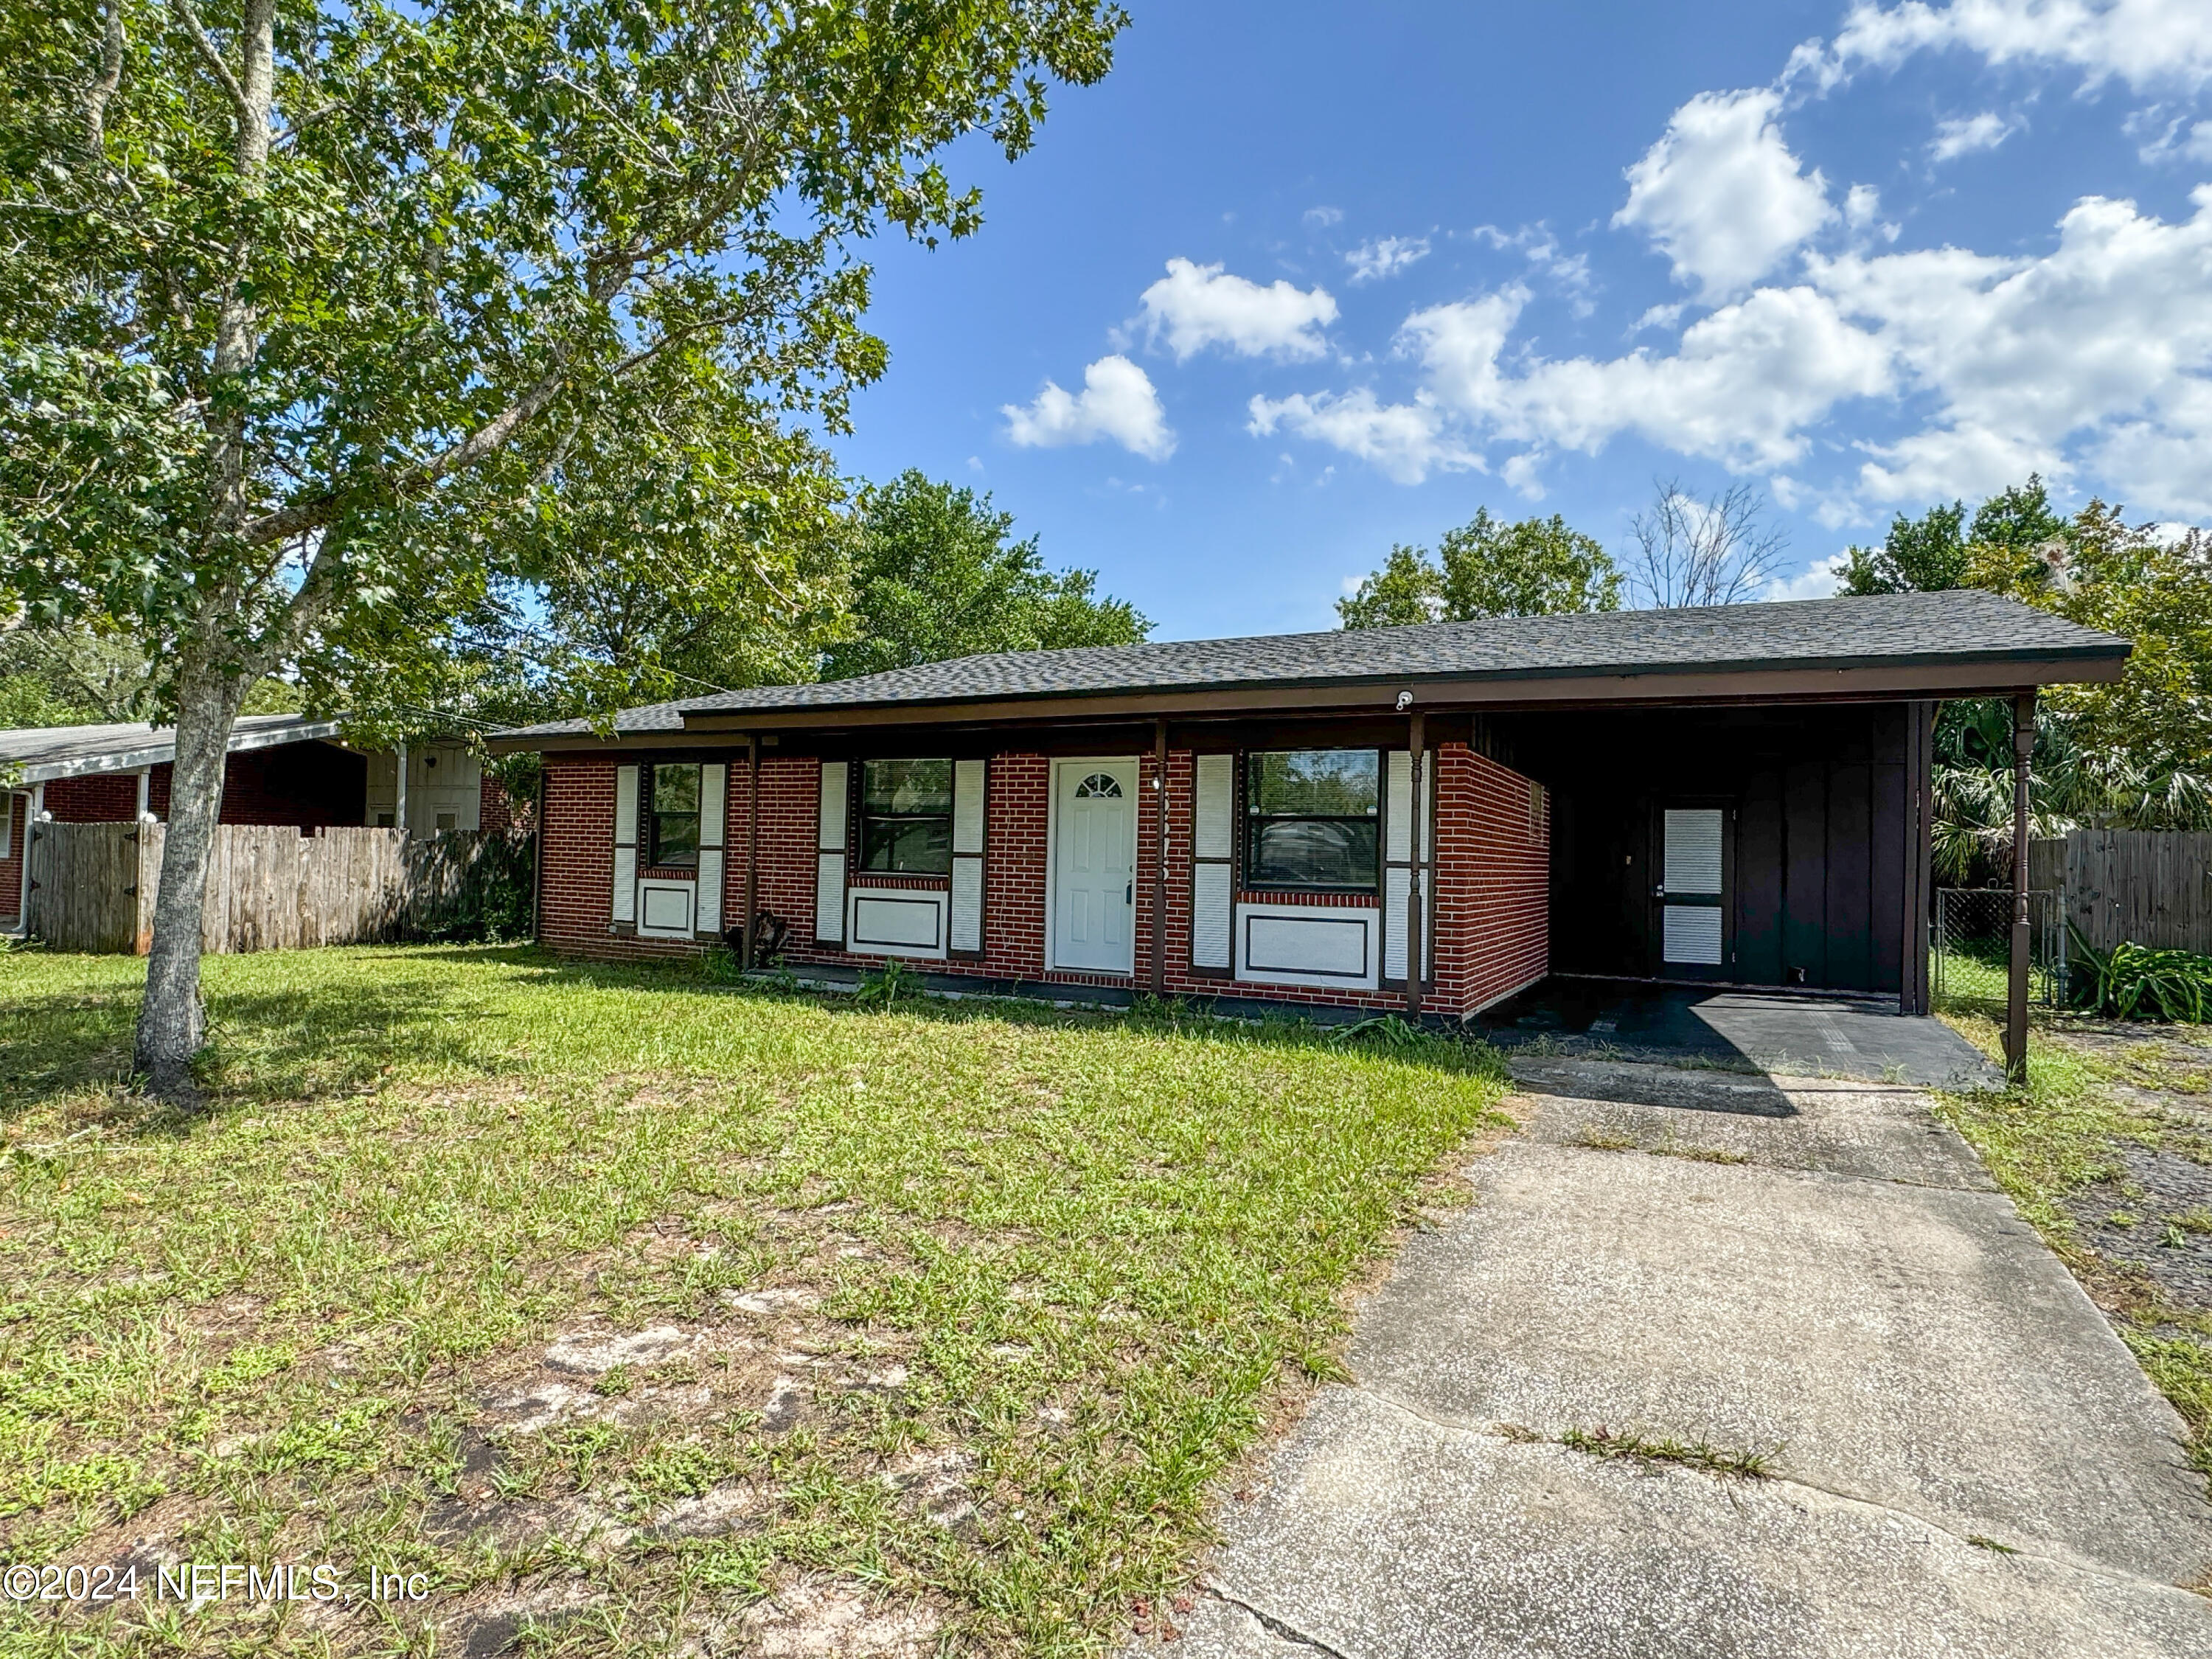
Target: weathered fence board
point(2152, 887)
point(270, 888)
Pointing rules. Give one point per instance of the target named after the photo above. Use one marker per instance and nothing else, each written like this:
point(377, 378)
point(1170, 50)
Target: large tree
point(2134, 754)
point(295, 295)
point(936, 574)
point(1487, 568)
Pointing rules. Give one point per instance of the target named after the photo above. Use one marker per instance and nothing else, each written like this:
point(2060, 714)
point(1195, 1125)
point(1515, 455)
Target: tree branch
point(103, 88)
point(188, 20)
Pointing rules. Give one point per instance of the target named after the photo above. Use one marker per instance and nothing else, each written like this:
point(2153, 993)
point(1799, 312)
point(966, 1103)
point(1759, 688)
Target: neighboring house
point(282, 769)
point(1736, 795)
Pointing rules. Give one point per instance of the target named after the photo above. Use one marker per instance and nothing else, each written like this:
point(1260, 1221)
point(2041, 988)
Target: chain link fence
point(1974, 944)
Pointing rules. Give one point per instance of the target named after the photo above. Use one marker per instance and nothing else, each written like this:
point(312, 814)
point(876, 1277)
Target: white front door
point(1094, 864)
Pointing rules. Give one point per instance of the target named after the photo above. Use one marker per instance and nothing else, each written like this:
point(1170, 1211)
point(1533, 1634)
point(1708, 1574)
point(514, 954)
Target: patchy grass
point(2091, 1098)
point(630, 1311)
point(1707, 1459)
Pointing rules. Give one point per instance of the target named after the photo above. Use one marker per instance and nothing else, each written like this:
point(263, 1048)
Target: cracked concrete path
point(1964, 1459)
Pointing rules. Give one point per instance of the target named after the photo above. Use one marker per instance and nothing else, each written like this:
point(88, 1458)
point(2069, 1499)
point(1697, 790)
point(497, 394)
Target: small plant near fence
point(2134, 981)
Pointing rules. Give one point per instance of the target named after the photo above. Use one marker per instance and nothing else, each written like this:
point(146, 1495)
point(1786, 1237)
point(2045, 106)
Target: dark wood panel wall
point(1827, 846)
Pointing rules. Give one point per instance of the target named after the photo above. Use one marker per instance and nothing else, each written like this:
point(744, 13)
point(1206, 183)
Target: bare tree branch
point(1693, 552)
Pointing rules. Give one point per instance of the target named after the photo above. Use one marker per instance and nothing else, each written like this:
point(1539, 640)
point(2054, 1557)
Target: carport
point(1737, 1029)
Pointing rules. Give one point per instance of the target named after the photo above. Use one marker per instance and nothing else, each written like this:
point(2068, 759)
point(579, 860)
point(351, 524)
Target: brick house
point(1734, 796)
point(282, 769)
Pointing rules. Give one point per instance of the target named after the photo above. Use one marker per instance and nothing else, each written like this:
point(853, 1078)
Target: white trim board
point(1314, 944)
point(896, 922)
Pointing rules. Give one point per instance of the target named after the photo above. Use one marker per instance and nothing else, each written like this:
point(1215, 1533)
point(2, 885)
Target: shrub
point(2133, 981)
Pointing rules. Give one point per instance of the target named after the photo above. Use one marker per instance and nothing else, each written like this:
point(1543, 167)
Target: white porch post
point(145, 792)
point(32, 808)
point(399, 812)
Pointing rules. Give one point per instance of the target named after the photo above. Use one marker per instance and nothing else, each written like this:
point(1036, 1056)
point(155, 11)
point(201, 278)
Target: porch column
point(1418, 739)
point(2023, 745)
point(1160, 858)
point(399, 797)
point(752, 846)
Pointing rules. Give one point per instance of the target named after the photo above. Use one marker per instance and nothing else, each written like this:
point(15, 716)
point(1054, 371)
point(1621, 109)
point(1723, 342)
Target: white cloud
point(1966, 135)
point(1741, 387)
point(2176, 141)
point(2144, 43)
point(1117, 402)
point(1405, 442)
point(2099, 346)
point(1817, 580)
point(1198, 306)
point(1722, 194)
point(2094, 358)
point(1385, 257)
point(1320, 218)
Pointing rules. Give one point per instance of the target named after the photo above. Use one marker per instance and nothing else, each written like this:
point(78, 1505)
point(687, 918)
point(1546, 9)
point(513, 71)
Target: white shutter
point(1398, 811)
point(625, 893)
point(1214, 845)
point(1403, 815)
point(714, 831)
point(967, 807)
point(1214, 835)
point(969, 784)
point(830, 860)
point(1397, 878)
point(967, 904)
point(1209, 915)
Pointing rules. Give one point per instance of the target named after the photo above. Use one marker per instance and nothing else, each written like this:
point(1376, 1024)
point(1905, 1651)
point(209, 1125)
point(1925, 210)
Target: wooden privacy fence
point(2152, 887)
point(270, 888)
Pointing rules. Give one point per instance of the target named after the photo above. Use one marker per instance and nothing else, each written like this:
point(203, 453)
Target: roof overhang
point(158, 750)
point(1946, 678)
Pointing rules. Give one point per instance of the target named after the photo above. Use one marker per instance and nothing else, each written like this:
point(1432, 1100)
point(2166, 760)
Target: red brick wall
point(1493, 897)
point(496, 809)
point(18, 809)
point(1491, 902)
point(308, 785)
point(99, 798)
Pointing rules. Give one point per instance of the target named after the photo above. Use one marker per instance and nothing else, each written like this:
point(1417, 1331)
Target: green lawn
point(911, 1328)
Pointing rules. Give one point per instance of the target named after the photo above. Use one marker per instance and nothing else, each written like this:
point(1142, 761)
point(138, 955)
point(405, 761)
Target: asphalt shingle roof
point(1963, 626)
point(46, 752)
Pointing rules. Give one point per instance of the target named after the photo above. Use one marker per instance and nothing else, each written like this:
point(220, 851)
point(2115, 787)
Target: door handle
point(1129, 893)
point(1660, 891)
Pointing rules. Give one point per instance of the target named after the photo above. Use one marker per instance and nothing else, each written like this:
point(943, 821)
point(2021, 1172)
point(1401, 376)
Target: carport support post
point(1418, 737)
point(2023, 745)
point(752, 848)
point(1160, 858)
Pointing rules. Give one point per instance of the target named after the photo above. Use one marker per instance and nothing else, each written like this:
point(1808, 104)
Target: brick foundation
point(1490, 902)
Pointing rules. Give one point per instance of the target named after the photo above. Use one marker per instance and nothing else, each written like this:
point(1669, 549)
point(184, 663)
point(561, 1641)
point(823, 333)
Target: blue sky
point(1310, 279)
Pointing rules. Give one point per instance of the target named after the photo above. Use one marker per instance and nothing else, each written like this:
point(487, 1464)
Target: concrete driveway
point(1963, 1458)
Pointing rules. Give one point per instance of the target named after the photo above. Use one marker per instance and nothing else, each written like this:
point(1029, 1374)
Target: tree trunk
point(172, 1021)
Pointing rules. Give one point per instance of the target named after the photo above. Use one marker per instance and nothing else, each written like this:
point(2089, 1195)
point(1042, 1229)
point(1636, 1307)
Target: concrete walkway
point(1964, 1459)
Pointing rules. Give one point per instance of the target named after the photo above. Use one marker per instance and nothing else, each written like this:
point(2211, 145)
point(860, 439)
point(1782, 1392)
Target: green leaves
point(934, 576)
point(1538, 567)
point(465, 236)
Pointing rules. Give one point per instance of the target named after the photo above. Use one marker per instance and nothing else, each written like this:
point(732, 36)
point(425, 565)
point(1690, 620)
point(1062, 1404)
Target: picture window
point(1313, 820)
point(906, 816)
